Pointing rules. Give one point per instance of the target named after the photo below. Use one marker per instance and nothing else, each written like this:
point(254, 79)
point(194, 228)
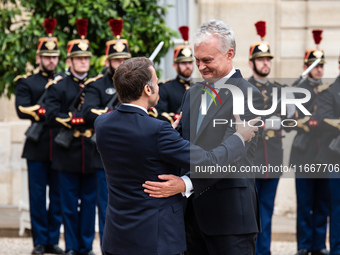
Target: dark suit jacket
point(226, 206)
point(135, 148)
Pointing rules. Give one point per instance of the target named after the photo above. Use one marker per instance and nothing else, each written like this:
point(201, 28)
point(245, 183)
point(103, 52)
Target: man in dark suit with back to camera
point(134, 148)
point(224, 217)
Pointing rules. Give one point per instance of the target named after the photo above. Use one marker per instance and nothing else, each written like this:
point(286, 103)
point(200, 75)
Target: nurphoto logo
point(239, 102)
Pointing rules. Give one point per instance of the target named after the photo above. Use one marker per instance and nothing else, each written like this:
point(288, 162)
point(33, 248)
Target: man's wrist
point(189, 189)
point(240, 136)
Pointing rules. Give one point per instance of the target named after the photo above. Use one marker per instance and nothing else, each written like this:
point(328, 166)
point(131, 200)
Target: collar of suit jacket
point(132, 108)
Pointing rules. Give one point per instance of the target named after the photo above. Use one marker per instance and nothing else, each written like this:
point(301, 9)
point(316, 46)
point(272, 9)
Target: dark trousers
point(78, 200)
point(334, 216)
point(102, 197)
point(45, 223)
point(312, 212)
point(199, 243)
point(266, 190)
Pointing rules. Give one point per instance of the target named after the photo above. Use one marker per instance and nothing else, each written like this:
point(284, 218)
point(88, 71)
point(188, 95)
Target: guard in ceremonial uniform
point(269, 150)
point(73, 148)
point(171, 92)
point(311, 192)
point(30, 99)
point(101, 97)
point(328, 115)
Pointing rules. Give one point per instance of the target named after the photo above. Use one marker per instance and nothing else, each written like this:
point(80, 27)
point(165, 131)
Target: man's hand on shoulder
point(169, 186)
point(246, 128)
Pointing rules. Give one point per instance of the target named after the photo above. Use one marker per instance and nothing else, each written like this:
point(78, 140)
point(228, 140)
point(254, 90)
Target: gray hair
point(219, 29)
point(150, 83)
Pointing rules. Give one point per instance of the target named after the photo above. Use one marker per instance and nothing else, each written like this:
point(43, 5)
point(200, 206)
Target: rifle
point(65, 135)
point(302, 139)
point(303, 76)
point(156, 51)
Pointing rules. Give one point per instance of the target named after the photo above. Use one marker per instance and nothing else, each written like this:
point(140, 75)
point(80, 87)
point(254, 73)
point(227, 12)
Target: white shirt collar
point(134, 105)
point(225, 78)
point(80, 77)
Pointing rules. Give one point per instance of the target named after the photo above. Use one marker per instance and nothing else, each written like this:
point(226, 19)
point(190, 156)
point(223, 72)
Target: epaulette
point(153, 112)
point(324, 87)
point(22, 77)
point(94, 79)
point(279, 84)
point(54, 81)
point(163, 82)
point(168, 116)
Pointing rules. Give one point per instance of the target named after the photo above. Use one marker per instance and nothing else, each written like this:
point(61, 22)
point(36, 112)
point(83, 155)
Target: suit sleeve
point(175, 150)
point(259, 105)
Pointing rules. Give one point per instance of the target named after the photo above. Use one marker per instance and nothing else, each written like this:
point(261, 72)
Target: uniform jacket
point(28, 92)
point(170, 98)
point(226, 206)
point(310, 137)
point(60, 96)
point(269, 145)
point(97, 95)
point(134, 148)
point(328, 108)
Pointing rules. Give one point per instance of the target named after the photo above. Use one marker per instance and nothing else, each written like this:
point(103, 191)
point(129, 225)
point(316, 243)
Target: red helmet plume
point(49, 25)
point(82, 27)
point(317, 36)
point(116, 26)
point(184, 30)
point(261, 29)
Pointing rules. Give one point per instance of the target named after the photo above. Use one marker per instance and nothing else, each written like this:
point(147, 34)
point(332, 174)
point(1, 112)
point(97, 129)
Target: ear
point(305, 67)
point(251, 64)
point(174, 65)
point(107, 63)
point(37, 59)
point(147, 90)
point(230, 53)
point(68, 61)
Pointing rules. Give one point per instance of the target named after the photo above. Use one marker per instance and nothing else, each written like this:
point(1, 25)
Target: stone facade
point(12, 166)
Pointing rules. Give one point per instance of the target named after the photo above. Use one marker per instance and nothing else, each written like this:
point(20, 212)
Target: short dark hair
point(131, 77)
